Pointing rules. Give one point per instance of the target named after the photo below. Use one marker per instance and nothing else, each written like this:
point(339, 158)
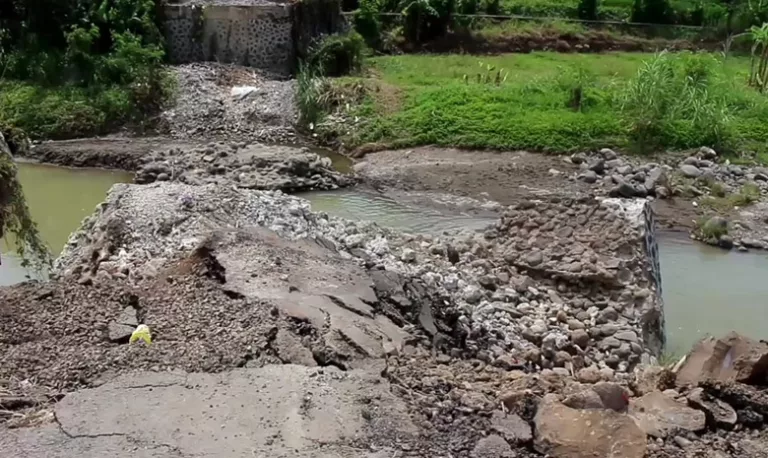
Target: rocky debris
point(719, 414)
point(565, 432)
point(661, 416)
point(731, 358)
point(511, 427)
point(250, 166)
point(620, 177)
point(207, 108)
point(492, 446)
point(119, 332)
point(500, 299)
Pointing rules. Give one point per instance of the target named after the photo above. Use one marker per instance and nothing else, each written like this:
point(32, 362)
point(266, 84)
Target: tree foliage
point(15, 219)
point(81, 42)
point(588, 9)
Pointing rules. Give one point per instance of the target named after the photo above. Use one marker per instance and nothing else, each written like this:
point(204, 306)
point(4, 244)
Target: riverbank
point(552, 304)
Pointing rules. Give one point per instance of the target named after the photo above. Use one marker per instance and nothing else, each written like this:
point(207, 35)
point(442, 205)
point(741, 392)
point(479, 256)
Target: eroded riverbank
point(558, 294)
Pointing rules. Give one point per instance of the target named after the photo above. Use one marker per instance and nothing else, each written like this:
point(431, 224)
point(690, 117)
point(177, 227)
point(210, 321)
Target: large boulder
point(570, 433)
point(659, 415)
point(719, 414)
point(731, 358)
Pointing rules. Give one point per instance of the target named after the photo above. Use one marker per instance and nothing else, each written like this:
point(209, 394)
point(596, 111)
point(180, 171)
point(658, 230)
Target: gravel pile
point(251, 166)
point(230, 102)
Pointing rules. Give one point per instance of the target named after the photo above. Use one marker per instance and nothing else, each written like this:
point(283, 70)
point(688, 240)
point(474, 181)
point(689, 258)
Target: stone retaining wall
point(267, 36)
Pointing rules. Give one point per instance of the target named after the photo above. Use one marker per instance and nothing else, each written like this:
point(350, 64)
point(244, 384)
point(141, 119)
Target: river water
point(706, 290)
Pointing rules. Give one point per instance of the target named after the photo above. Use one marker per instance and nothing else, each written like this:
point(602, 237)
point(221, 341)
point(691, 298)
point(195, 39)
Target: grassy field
point(542, 101)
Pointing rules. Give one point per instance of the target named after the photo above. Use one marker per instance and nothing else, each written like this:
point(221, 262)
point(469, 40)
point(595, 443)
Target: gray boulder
point(690, 171)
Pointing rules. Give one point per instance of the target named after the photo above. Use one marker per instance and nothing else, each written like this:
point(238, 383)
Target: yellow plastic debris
point(141, 333)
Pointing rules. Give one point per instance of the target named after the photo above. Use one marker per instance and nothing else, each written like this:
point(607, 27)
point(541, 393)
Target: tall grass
point(565, 102)
point(677, 101)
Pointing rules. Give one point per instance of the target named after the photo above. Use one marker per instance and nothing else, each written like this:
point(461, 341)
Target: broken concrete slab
point(731, 358)
point(309, 282)
point(284, 410)
point(564, 432)
point(661, 416)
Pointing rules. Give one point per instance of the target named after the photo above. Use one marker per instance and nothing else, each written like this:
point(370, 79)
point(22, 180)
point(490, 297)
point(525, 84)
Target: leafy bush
point(367, 24)
point(338, 55)
point(92, 64)
point(676, 102)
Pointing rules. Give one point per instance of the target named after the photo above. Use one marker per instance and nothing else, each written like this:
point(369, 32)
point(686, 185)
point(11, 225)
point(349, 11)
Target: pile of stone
point(700, 407)
point(622, 178)
point(705, 170)
point(219, 101)
point(250, 166)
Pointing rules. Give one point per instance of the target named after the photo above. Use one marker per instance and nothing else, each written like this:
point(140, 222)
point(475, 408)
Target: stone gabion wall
point(259, 36)
point(639, 214)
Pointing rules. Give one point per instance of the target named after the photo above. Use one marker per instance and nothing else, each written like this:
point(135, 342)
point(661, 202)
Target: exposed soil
point(506, 177)
point(552, 40)
point(124, 153)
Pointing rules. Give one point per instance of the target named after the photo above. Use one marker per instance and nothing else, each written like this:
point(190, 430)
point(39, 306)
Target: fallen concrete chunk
point(731, 358)
point(128, 317)
point(569, 433)
point(119, 332)
point(492, 446)
point(510, 426)
point(661, 416)
point(719, 414)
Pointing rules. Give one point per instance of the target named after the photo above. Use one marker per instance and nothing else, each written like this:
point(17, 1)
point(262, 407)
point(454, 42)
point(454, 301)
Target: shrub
point(367, 24)
point(676, 103)
point(338, 55)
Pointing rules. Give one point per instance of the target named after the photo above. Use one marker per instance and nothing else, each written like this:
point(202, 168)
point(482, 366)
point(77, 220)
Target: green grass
point(532, 108)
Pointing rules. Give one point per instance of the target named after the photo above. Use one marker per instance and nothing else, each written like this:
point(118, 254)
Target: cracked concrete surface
point(274, 411)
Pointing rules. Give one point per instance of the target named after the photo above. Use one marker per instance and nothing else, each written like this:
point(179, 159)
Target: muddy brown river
point(706, 290)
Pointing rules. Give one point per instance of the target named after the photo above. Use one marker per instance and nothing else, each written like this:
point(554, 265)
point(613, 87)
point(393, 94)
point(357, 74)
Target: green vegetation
point(747, 195)
point(389, 25)
point(16, 221)
point(338, 55)
point(711, 229)
point(79, 67)
point(556, 102)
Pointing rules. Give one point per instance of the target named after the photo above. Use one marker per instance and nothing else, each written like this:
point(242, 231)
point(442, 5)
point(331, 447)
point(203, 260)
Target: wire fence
point(648, 30)
point(557, 19)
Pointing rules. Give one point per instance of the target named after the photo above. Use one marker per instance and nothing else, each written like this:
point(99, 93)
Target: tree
point(14, 215)
point(652, 11)
point(588, 9)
